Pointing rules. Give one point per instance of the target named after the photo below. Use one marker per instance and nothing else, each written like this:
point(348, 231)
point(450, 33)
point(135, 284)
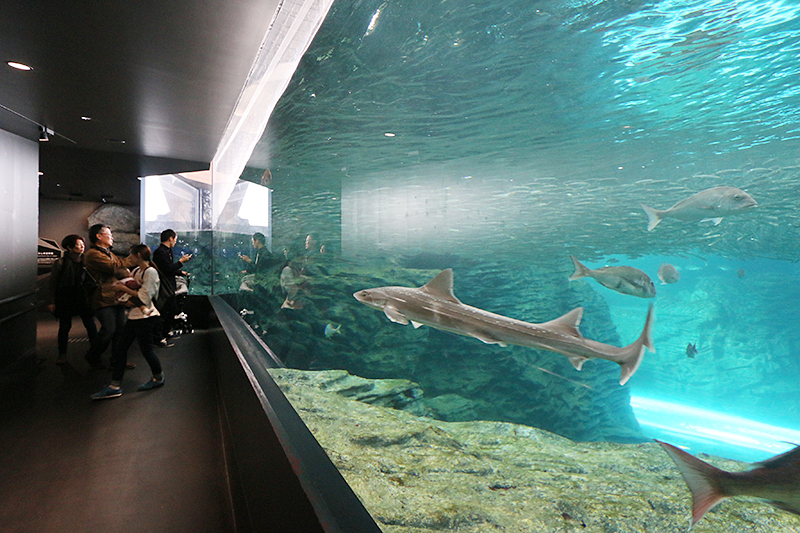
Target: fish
point(691, 350)
point(776, 480)
point(435, 305)
point(668, 274)
point(710, 204)
point(740, 273)
point(330, 330)
point(623, 279)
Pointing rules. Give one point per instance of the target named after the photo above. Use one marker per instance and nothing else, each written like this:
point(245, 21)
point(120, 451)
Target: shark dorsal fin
point(442, 286)
point(568, 323)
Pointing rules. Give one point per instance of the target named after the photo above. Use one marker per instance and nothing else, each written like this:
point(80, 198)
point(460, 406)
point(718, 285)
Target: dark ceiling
point(164, 77)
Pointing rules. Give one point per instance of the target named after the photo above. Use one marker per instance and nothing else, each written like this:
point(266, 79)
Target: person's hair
point(94, 230)
point(167, 234)
point(142, 250)
point(70, 241)
point(258, 236)
point(122, 273)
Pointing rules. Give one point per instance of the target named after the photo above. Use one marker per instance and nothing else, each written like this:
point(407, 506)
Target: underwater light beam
point(731, 436)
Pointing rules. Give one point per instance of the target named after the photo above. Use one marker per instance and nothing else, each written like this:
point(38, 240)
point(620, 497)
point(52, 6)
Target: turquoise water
point(499, 139)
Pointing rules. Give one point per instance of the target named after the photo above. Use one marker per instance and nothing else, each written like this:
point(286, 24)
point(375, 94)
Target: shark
point(435, 305)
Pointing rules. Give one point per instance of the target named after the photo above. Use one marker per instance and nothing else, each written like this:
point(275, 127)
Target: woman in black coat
point(69, 296)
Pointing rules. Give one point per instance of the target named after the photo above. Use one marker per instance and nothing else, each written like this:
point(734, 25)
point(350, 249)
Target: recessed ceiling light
point(19, 66)
point(86, 118)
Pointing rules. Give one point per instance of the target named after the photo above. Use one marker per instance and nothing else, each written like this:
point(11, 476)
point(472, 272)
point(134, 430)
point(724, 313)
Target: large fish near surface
point(776, 480)
point(623, 279)
point(435, 305)
point(710, 204)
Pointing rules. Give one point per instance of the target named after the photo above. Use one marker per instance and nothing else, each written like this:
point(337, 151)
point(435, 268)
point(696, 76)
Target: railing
point(334, 503)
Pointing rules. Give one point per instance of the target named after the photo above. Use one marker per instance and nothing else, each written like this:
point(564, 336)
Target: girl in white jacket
point(140, 326)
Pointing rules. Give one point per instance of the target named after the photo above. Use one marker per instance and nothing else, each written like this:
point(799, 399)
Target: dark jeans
point(142, 330)
point(65, 324)
point(167, 319)
point(112, 320)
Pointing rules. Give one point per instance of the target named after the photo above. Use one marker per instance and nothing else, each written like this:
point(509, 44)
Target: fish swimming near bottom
point(776, 480)
point(691, 350)
point(331, 330)
point(435, 305)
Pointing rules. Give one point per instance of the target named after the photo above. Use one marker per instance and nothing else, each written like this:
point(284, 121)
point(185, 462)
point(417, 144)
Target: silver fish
point(624, 279)
point(668, 273)
point(435, 305)
point(331, 330)
point(710, 204)
point(776, 480)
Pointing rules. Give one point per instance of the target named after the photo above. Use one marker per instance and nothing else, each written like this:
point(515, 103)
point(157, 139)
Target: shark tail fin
point(635, 352)
point(704, 481)
point(653, 216)
point(580, 270)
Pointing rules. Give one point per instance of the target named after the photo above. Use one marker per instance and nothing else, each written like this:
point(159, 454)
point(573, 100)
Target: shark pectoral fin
point(416, 324)
point(487, 339)
point(394, 315)
point(577, 361)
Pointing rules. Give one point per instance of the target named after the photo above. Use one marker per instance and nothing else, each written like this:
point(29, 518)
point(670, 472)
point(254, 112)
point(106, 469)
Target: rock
point(417, 474)
point(394, 393)
point(121, 218)
point(452, 408)
point(124, 223)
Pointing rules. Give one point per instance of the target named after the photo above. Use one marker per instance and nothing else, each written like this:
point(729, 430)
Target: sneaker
point(152, 384)
point(163, 342)
point(107, 392)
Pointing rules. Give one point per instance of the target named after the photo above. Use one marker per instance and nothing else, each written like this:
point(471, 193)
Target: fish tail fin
point(653, 217)
point(635, 352)
point(704, 481)
point(580, 270)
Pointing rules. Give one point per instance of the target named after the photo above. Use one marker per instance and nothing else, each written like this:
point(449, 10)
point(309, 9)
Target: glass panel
point(500, 140)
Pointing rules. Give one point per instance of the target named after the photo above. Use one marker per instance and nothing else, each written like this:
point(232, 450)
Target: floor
point(147, 461)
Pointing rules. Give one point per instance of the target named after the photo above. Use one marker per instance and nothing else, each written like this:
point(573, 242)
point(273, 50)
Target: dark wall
point(19, 221)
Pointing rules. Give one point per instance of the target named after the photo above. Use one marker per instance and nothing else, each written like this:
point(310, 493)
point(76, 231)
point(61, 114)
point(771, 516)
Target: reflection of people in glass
point(261, 259)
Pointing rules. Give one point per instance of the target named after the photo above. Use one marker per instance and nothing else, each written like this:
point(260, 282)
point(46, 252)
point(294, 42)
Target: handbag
point(88, 284)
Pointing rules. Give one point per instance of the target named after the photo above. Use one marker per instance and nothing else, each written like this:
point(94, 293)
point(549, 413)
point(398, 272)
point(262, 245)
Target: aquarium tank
point(637, 161)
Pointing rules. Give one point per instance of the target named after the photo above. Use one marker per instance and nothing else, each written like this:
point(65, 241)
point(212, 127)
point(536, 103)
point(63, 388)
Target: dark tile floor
point(147, 461)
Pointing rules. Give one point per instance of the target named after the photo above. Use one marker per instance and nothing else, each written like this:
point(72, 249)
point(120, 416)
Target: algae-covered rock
point(417, 474)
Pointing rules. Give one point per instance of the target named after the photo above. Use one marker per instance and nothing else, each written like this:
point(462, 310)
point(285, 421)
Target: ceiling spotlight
point(19, 66)
point(44, 134)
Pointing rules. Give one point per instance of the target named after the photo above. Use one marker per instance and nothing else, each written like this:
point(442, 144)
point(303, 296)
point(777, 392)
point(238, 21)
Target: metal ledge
point(337, 507)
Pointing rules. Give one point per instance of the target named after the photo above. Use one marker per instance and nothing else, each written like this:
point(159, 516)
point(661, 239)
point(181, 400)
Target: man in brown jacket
point(101, 263)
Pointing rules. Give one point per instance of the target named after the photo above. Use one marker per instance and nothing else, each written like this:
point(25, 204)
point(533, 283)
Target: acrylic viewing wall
point(183, 202)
